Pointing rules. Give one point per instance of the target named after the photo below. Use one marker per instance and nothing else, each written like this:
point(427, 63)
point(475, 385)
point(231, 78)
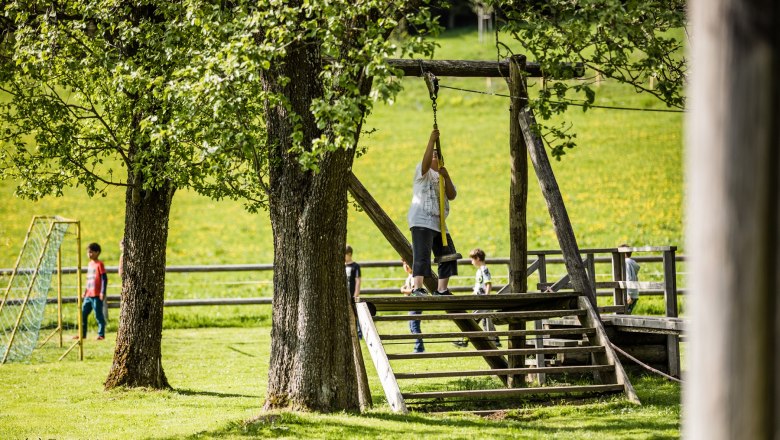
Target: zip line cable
point(607, 107)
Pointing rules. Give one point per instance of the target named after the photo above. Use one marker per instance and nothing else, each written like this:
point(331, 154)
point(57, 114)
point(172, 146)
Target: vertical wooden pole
point(733, 157)
point(670, 299)
point(518, 196)
point(539, 340)
point(619, 294)
point(59, 293)
point(670, 282)
point(79, 292)
point(364, 391)
point(518, 187)
point(590, 262)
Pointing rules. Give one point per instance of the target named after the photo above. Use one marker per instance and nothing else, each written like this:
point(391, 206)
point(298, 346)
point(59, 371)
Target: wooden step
point(533, 315)
point(612, 309)
point(509, 392)
point(540, 332)
point(506, 371)
point(499, 352)
point(467, 302)
point(556, 342)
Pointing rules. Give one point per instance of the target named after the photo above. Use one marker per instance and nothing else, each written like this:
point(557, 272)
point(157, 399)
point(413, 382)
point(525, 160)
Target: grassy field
point(623, 183)
point(219, 376)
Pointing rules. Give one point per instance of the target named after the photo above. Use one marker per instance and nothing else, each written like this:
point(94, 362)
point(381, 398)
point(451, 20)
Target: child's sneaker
point(419, 292)
point(100, 338)
point(443, 292)
point(461, 343)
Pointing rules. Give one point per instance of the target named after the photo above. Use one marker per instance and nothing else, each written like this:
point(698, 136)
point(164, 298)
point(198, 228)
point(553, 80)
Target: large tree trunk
point(137, 355)
point(312, 364)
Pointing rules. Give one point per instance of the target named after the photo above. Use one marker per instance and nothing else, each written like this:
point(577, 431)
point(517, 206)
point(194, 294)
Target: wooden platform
point(504, 301)
point(635, 323)
point(522, 366)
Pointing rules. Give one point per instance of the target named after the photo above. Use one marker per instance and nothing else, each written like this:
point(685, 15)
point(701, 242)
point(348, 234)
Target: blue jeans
point(414, 328)
point(89, 304)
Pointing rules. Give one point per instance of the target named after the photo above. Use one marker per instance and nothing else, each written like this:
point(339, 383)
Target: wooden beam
point(511, 351)
point(467, 68)
point(381, 362)
point(535, 332)
point(591, 319)
point(556, 207)
point(577, 389)
point(518, 182)
point(522, 370)
point(380, 218)
point(524, 315)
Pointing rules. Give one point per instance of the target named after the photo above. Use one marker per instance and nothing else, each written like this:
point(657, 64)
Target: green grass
point(219, 378)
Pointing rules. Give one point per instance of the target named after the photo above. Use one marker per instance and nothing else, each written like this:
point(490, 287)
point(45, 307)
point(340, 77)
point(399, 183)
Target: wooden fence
point(540, 267)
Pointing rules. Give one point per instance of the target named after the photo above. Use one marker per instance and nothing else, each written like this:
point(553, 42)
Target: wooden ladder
point(529, 353)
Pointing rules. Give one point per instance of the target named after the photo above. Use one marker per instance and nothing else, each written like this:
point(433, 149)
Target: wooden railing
point(539, 264)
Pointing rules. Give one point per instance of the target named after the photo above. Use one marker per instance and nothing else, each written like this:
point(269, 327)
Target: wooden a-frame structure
point(522, 139)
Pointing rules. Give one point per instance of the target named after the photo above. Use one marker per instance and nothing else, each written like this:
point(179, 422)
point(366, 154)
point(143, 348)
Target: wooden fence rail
point(538, 262)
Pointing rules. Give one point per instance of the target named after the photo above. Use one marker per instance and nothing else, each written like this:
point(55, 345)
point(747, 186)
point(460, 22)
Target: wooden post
point(618, 274)
point(556, 207)
point(670, 282)
point(590, 265)
point(518, 187)
point(539, 340)
point(670, 299)
point(381, 362)
point(59, 294)
point(382, 221)
point(733, 239)
point(364, 391)
point(518, 196)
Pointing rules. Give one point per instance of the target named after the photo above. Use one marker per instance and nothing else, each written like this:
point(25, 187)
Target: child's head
point(348, 253)
point(93, 250)
point(407, 268)
point(477, 255)
point(627, 254)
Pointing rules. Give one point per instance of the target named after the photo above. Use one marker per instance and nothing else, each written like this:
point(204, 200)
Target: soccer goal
point(25, 297)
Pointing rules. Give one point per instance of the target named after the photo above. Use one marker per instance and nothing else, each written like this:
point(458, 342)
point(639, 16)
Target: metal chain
point(433, 106)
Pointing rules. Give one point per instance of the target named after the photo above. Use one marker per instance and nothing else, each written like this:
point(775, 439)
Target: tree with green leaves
point(92, 97)
point(323, 64)
point(639, 43)
point(258, 101)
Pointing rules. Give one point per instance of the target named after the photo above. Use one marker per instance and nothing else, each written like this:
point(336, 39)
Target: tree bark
point(312, 363)
point(137, 354)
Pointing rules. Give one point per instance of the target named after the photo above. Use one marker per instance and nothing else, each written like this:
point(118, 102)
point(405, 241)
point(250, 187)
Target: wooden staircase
point(525, 369)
